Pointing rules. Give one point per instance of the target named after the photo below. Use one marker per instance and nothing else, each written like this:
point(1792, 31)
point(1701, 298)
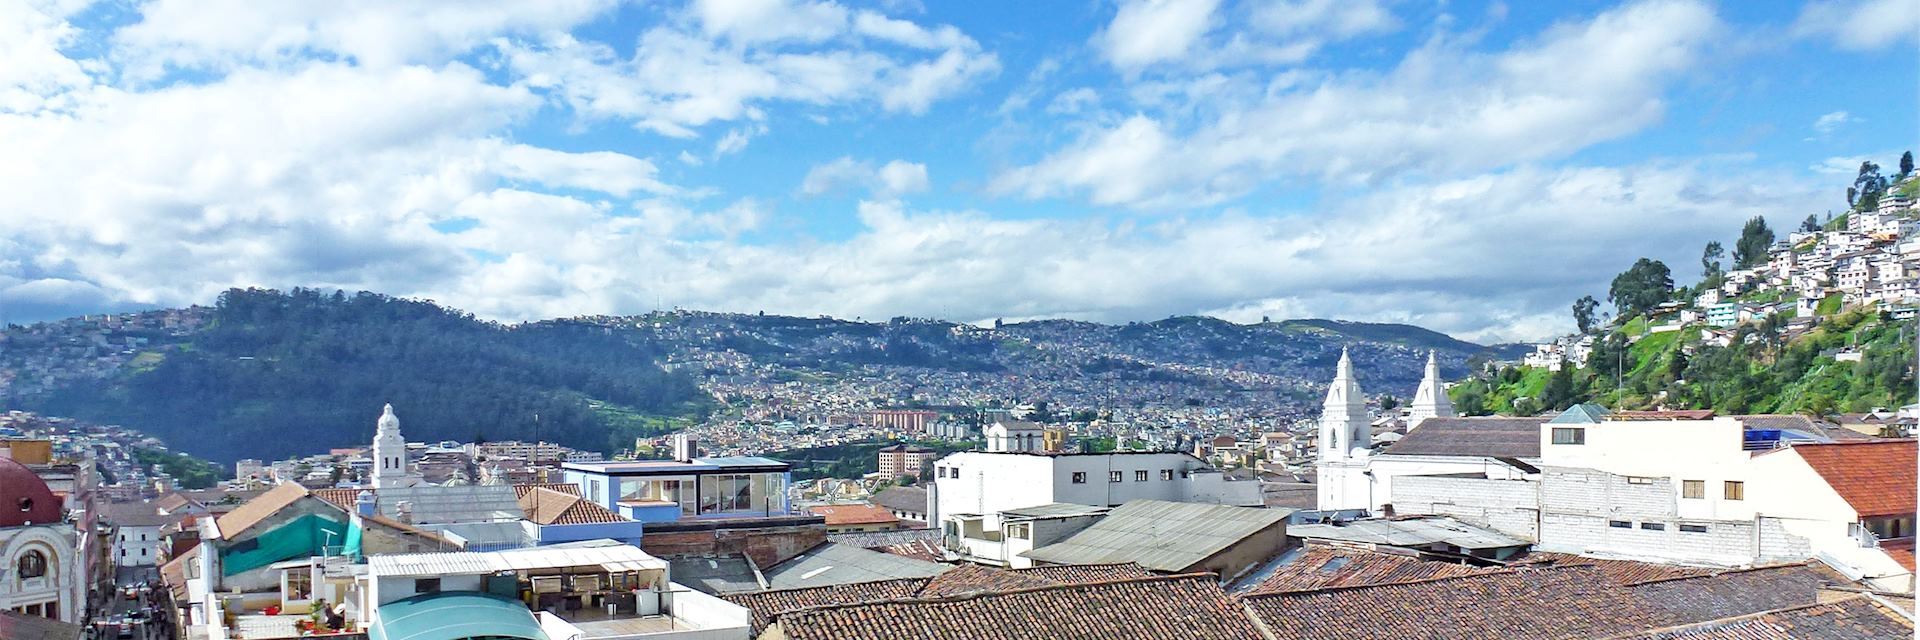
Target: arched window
point(33, 565)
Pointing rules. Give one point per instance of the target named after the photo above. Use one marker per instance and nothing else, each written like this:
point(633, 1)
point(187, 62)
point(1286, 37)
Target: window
point(1733, 490)
point(1695, 489)
point(33, 565)
point(1653, 526)
point(1079, 477)
point(1140, 476)
point(300, 584)
point(426, 585)
point(1166, 474)
point(1569, 435)
point(1694, 528)
point(1113, 476)
point(1639, 480)
point(1619, 524)
point(1019, 531)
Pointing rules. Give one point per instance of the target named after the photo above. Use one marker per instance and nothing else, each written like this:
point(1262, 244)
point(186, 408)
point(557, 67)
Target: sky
point(1470, 167)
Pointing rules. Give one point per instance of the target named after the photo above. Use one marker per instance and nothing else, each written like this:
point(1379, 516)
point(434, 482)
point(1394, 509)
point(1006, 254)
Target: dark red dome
point(24, 497)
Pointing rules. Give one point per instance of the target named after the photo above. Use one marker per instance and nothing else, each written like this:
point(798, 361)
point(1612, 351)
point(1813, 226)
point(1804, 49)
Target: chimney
point(406, 511)
point(367, 504)
point(685, 447)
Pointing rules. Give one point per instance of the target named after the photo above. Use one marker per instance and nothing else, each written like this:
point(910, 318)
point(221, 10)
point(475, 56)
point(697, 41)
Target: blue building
point(657, 491)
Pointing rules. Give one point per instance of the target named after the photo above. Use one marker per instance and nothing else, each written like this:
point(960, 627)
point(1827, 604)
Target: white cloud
point(223, 34)
point(1441, 111)
point(1860, 24)
point(1826, 124)
point(1144, 32)
point(751, 21)
point(676, 82)
point(1331, 17)
point(895, 178)
point(34, 74)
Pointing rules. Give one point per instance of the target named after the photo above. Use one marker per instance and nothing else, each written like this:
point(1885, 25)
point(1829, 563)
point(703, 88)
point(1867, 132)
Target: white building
point(1015, 436)
point(136, 536)
point(390, 453)
point(1345, 441)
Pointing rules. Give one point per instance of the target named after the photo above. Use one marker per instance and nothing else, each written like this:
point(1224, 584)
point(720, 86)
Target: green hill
point(1767, 368)
point(277, 374)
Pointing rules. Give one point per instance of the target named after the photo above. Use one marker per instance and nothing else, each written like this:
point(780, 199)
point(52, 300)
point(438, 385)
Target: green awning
point(453, 615)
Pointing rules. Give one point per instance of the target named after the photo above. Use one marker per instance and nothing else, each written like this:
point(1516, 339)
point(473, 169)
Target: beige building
point(902, 460)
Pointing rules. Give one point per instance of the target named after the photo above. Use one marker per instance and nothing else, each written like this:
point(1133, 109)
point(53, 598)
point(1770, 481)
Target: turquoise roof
point(1584, 413)
point(452, 615)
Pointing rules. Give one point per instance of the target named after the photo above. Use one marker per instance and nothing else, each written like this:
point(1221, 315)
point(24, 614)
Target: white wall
point(393, 588)
point(139, 544)
point(989, 483)
point(1511, 507)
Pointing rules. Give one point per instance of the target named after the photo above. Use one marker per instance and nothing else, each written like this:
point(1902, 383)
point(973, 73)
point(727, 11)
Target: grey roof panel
point(831, 563)
point(1159, 535)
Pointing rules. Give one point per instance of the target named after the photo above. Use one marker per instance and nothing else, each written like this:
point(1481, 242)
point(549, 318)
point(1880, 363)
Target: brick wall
point(767, 546)
point(1507, 506)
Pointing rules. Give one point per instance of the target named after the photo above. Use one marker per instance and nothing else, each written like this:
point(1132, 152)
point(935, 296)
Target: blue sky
point(1470, 167)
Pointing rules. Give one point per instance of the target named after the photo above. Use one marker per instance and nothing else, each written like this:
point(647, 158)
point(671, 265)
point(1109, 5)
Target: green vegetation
point(277, 374)
point(188, 471)
point(849, 460)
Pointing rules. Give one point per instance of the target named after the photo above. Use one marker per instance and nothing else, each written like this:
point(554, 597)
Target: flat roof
point(613, 557)
point(1054, 510)
point(1161, 535)
point(675, 467)
point(1407, 533)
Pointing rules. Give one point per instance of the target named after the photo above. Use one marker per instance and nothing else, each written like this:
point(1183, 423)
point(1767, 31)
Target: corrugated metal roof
point(612, 557)
point(1159, 535)
point(831, 563)
point(1407, 533)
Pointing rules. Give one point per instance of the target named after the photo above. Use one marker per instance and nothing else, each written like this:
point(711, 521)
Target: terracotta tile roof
point(908, 499)
point(547, 506)
point(1737, 592)
point(1875, 478)
point(236, 522)
point(1317, 566)
point(1901, 550)
point(1077, 573)
point(1472, 436)
point(766, 605)
point(20, 625)
point(1854, 618)
point(1182, 606)
point(520, 490)
point(1562, 602)
point(839, 515)
point(1621, 572)
point(343, 498)
point(973, 578)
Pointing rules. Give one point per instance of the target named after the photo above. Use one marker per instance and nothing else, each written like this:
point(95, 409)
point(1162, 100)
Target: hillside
point(1768, 367)
point(270, 374)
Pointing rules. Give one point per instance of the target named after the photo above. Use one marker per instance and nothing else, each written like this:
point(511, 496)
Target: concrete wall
point(136, 546)
point(1705, 450)
point(400, 587)
point(1511, 507)
point(1375, 492)
point(990, 483)
point(1253, 549)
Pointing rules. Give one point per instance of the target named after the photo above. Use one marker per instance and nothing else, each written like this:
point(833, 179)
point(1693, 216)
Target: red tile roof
point(343, 498)
point(766, 605)
point(839, 515)
point(1875, 478)
point(549, 507)
point(520, 490)
point(1329, 566)
point(1854, 618)
point(1623, 572)
point(1181, 606)
point(1901, 550)
point(1544, 603)
point(1680, 414)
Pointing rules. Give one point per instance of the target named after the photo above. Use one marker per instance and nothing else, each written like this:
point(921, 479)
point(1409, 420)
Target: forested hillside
point(276, 374)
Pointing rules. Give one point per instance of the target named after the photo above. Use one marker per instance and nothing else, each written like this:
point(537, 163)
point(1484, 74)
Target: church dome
point(24, 497)
point(388, 422)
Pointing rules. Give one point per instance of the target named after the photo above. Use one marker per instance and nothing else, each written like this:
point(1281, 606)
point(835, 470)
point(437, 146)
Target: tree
point(1558, 393)
point(1906, 164)
point(1853, 193)
point(1870, 184)
point(1388, 402)
point(1645, 284)
point(1755, 238)
point(1810, 225)
point(1583, 313)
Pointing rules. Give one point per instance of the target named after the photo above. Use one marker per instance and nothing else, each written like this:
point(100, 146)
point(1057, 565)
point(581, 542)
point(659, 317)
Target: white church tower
point(1345, 437)
point(389, 453)
point(1430, 400)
